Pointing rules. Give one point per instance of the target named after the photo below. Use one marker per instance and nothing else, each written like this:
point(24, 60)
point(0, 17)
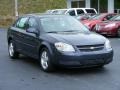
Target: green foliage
point(24, 7)
point(29, 6)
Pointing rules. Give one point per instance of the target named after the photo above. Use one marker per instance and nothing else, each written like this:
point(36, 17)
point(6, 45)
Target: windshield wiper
point(52, 32)
point(72, 31)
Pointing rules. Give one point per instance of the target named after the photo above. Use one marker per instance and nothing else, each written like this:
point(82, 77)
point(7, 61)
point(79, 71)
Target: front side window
point(32, 23)
point(90, 10)
point(21, 22)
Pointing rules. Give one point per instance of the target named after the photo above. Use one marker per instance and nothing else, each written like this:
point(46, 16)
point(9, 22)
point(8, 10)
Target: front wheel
point(11, 49)
point(45, 60)
point(118, 34)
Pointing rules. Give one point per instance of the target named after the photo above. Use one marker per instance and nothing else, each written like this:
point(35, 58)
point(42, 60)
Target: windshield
point(98, 16)
point(62, 24)
point(116, 18)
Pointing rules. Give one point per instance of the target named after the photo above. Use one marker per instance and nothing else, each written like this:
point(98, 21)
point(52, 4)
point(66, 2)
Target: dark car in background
point(58, 40)
point(109, 28)
point(96, 19)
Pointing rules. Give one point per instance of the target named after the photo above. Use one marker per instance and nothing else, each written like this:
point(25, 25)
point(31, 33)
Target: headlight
point(110, 25)
point(108, 45)
point(64, 47)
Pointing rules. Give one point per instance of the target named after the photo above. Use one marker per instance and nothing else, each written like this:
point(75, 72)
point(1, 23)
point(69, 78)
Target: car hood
point(87, 22)
point(79, 38)
point(91, 23)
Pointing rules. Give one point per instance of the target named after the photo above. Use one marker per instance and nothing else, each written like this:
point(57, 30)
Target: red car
point(109, 28)
point(91, 23)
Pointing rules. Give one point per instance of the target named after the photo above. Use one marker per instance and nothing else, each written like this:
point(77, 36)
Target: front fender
point(49, 46)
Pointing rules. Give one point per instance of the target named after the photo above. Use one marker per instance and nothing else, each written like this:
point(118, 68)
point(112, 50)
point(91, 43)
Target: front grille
point(87, 48)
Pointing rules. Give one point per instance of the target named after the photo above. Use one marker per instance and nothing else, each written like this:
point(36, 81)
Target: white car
point(73, 11)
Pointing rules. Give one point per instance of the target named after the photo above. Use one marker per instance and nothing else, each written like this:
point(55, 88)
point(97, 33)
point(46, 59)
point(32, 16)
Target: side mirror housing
point(33, 30)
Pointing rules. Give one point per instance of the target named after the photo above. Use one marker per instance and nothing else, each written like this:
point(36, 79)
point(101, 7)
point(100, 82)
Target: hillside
point(29, 6)
point(26, 6)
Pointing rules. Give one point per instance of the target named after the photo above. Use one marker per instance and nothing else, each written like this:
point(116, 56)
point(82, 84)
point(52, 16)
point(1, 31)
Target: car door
point(18, 31)
point(31, 40)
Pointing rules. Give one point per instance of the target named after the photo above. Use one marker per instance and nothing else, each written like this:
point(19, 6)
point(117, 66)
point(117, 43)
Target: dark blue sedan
point(58, 40)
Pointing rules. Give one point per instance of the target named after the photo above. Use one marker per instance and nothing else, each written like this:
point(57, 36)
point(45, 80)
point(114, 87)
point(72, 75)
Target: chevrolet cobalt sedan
point(58, 41)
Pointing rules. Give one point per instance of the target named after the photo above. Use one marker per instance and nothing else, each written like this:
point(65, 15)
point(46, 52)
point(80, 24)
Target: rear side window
point(21, 22)
point(90, 10)
point(72, 12)
point(79, 11)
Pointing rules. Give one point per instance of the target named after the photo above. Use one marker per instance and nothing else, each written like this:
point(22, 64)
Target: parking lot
point(25, 73)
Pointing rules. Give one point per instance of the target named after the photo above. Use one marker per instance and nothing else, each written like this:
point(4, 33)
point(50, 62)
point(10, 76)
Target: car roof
point(72, 8)
point(43, 15)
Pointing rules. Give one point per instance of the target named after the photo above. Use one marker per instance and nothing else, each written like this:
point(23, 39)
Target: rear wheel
point(45, 60)
point(11, 49)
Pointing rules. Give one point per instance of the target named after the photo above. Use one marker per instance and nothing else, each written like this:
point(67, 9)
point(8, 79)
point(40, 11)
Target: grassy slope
point(29, 6)
point(26, 6)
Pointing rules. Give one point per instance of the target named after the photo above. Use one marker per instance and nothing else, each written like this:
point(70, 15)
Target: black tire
point(12, 52)
point(49, 66)
point(118, 34)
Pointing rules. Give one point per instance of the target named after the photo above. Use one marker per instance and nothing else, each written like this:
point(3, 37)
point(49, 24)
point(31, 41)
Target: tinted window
point(90, 10)
point(21, 22)
point(72, 12)
point(79, 11)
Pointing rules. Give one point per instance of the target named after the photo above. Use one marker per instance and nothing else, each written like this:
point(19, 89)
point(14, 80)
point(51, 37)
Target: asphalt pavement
point(25, 73)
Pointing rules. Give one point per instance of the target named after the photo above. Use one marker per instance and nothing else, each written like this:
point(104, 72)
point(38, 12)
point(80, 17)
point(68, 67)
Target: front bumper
point(84, 59)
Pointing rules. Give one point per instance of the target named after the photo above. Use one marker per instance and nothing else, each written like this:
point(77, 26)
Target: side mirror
point(26, 26)
point(32, 30)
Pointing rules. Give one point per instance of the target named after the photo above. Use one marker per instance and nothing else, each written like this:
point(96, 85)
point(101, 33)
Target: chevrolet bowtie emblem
point(92, 47)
